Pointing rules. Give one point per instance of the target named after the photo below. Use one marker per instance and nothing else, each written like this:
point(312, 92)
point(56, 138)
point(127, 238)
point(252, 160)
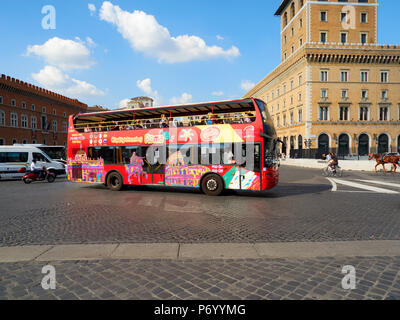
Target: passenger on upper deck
point(163, 121)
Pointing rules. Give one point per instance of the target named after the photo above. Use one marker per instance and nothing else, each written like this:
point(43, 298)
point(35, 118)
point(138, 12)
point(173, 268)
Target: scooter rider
point(35, 168)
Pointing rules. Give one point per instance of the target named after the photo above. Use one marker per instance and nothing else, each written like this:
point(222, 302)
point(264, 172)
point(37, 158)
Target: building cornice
point(27, 89)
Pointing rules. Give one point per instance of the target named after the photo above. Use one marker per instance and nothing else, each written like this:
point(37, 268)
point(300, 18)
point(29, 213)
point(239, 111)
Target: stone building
point(140, 103)
point(336, 88)
point(30, 115)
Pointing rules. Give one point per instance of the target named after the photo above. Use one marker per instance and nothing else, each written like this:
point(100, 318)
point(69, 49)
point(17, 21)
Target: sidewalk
point(205, 251)
point(355, 165)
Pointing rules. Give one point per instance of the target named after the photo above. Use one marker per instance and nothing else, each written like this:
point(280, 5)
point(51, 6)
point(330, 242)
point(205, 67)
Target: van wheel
point(212, 185)
point(114, 181)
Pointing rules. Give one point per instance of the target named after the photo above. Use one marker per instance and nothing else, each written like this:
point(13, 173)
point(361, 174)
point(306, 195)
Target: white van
point(13, 158)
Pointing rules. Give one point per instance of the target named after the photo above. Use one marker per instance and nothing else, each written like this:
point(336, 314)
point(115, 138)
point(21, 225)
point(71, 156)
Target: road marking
point(396, 185)
point(334, 185)
point(364, 187)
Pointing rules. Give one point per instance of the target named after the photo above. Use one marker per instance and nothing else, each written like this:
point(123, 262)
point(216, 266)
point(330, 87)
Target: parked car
point(13, 158)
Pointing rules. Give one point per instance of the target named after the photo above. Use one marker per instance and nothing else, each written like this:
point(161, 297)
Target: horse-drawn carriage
point(388, 158)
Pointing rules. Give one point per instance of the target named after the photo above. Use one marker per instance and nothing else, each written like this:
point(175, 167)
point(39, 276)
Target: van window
point(13, 157)
point(39, 157)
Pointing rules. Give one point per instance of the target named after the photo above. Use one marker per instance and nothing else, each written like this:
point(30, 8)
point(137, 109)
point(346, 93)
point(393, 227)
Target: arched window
point(292, 10)
point(301, 3)
point(300, 142)
point(285, 19)
point(398, 144)
point(383, 144)
point(363, 145)
point(284, 146)
point(344, 145)
point(323, 144)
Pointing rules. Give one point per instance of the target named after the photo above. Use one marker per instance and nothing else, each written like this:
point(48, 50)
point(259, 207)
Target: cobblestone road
point(302, 208)
point(320, 278)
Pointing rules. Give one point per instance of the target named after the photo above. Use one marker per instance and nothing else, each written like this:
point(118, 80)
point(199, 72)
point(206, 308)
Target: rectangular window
point(64, 126)
point(364, 94)
point(344, 76)
point(364, 76)
point(324, 93)
point(364, 114)
point(364, 17)
point(34, 123)
point(344, 113)
point(300, 115)
point(23, 105)
point(2, 118)
point(323, 37)
point(44, 109)
point(323, 113)
point(384, 76)
point(344, 94)
point(24, 121)
point(13, 157)
point(383, 113)
point(323, 16)
point(14, 120)
point(364, 38)
point(343, 37)
point(1, 100)
point(54, 126)
point(384, 94)
point(343, 17)
point(33, 107)
point(324, 76)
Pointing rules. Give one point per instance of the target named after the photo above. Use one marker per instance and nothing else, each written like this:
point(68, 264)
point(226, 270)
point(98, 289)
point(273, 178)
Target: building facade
point(140, 103)
point(32, 115)
point(336, 89)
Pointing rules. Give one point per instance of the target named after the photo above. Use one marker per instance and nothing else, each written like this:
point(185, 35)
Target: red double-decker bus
point(212, 146)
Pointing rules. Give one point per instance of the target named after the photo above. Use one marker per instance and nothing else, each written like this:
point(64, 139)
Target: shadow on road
point(281, 191)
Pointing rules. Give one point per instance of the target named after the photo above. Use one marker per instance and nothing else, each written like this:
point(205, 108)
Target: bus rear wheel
point(212, 185)
point(114, 182)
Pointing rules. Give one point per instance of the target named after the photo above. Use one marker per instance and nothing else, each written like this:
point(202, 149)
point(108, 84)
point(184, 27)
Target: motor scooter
point(33, 176)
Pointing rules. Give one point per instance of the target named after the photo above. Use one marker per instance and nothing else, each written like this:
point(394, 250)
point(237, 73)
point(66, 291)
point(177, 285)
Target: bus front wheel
point(114, 182)
point(212, 185)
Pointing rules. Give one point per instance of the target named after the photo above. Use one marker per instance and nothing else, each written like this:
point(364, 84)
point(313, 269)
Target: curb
point(201, 251)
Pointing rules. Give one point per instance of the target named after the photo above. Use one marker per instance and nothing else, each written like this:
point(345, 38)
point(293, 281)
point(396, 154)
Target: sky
point(175, 51)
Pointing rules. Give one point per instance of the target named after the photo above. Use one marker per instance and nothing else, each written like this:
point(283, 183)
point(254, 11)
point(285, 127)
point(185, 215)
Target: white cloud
point(54, 79)
point(183, 99)
point(146, 35)
point(91, 42)
point(220, 37)
point(218, 93)
point(64, 54)
point(145, 86)
point(247, 85)
point(92, 8)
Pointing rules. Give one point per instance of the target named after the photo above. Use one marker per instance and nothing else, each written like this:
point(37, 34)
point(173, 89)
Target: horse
point(380, 160)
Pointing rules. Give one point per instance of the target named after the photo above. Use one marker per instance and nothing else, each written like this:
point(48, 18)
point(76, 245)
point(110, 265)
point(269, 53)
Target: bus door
point(153, 173)
point(250, 173)
point(130, 158)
